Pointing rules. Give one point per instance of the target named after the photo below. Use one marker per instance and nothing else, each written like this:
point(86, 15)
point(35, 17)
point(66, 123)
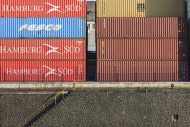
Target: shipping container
point(43, 8)
point(42, 49)
point(163, 27)
point(123, 71)
point(36, 70)
point(140, 8)
point(142, 49)
point(42, 28)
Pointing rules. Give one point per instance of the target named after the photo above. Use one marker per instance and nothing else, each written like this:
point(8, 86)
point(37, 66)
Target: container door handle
point(104, 23)
point(103, 47)
point(103, 7)
point(79, 71)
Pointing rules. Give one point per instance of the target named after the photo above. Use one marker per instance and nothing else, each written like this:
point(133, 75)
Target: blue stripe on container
point(71, 28)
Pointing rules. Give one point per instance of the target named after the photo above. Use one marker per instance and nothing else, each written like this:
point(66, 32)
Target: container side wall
point(142, 49)
point(164, 8)
point(119, 8)
point(43, 8)
point(122, 71)
point(140, 8)
point(142, 27)
point(42, 28)
point(58, 71)
point(42, 49)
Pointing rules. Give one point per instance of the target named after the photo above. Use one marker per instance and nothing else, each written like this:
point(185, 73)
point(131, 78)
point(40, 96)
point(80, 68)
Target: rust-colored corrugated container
point(140, 8)
point(42, 71)
point(142, 49)
point(43, 49)
point(122, 71)
point(163, 27)
point(43, 8)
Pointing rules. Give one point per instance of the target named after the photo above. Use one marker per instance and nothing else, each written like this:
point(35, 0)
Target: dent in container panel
point(20, 71)
point(123, 71)
point(142, 49)
point(42, 49)
point(158, 27)
point(42, 28)
point(140, 8)
point(43, 8)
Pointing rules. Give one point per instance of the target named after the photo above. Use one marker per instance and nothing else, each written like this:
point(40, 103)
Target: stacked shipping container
point(43, 40)
point(141, 41)
point(140, 8)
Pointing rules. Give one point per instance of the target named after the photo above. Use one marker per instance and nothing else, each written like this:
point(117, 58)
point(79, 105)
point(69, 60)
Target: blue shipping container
point(42, 28)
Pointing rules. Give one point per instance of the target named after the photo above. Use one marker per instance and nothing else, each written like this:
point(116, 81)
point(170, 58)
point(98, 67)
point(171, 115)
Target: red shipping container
point(123, 71)
point(162, 27)
point(43, 49)
point(43, 8)
point(142, 49)
point(57, 71)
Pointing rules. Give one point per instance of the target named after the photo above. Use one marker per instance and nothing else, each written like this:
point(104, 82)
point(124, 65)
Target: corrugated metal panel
point(140, 8)
point(43, 8)
point(42, 28)
point(122, 71)
point(142, 27)
point(42, 71)
point(119, 8)
point(43, 49)
point(165, 8)
point(142, 49)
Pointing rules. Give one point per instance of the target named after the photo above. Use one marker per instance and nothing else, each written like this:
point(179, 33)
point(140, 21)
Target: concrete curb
point(89, 85)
